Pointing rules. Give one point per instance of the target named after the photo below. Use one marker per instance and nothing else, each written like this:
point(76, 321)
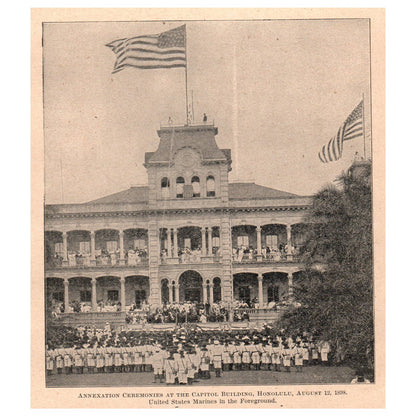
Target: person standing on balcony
point(205, 118)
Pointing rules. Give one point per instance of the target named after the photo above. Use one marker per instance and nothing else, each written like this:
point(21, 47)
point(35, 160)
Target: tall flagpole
point(186, 80)
point(364, 127)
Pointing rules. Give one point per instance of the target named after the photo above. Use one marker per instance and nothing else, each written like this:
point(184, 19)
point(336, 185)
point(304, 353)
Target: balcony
point(81, 261)
point(190, 259)
point(269, 258)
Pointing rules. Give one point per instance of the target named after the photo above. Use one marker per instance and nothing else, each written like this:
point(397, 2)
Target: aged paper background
point(357, 396)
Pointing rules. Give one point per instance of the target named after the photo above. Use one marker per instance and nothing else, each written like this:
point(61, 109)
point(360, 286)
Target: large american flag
point(350, 129)
point(164, 50)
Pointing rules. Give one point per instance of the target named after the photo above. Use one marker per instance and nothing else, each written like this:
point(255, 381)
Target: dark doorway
point(244, 293)
point(140, 297)
point(190, 287)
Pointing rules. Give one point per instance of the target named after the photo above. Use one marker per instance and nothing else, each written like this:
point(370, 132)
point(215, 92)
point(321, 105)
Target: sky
point(277, 91)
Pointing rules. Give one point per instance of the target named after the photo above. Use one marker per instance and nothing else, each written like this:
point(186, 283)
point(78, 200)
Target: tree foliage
point(335, 293)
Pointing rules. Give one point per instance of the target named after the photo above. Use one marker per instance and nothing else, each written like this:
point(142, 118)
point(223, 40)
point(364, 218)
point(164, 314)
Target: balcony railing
point(190, 259)
point(84, 261)
point(269, 258)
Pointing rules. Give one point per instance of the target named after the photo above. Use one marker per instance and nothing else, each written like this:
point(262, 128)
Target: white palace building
point(189, 235)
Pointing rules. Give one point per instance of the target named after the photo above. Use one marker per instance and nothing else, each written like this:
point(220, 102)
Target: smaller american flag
point(164, 50)
point(350, 129)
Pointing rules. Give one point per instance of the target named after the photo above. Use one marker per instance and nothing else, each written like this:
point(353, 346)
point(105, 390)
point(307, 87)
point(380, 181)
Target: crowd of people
point(274, 254)
point(183, 355)
point(102, 257)
point(180, 312)
point(176, 312)
point(187, 255)
point(136, 256)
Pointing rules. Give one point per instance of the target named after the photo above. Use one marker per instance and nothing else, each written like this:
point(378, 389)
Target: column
point(170, 291)
point(175, 242)
point(211, 292)
point(94, 294)
point(121, 245)
point(204, 293)
point(259, 255)
point(204, 241)
point(92, 248)
point(175, 295)
point(65, 246)
point(66, 295)
point(289, 242)
point(260, 283)
point(169, 242)
point(123, 293)
point(209, 241)
point(290, 285)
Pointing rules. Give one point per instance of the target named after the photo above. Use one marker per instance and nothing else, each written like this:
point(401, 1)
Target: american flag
point(350, 129)
point(164, 50)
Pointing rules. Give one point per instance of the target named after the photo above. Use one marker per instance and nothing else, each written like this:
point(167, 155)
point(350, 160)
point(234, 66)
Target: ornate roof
point(243, 191)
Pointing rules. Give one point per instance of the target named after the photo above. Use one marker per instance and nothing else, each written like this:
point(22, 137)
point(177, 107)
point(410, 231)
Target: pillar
point(290, 285)
point(65, 246)
point(170, 291)
point(211, 292)
point(209, 241)
point(259, 254)
point(175, 294)
point(204, 242)
point(260, 284)
point(289, 242)
point(169, 242)
point(123, 293)
point(204, 293)
point(66, 295)
point(94, 294)
point(121, 246)
point(92, 248)
point(175, 242)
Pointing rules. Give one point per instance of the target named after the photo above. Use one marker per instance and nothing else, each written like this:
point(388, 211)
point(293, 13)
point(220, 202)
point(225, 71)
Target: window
point(112, 295)
point(271, 241)
point(242, 240)
point(140, 244)
point(58, 296)
point(215, 241)
point(273, 294)
point(180, 182)
point(111, 246)
point(85, 296)
point(59, 248)
point(196, 188)
point(165, 187)
point(210, 186)
point(84, 247)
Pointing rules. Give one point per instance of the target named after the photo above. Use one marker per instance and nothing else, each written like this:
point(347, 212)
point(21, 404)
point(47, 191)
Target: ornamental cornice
point(176, 211)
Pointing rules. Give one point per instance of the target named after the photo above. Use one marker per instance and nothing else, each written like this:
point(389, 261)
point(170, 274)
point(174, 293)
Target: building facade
point(189, 235)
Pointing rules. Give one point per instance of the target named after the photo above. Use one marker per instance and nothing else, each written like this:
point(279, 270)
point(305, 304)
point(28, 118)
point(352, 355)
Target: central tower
point(188, 167)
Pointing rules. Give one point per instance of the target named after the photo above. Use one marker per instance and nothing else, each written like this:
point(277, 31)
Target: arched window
point(196, 188)
point(164, 184)
point(210, 186)
point(180, 183)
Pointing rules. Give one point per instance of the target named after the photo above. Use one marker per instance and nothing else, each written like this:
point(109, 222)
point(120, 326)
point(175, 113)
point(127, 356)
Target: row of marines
point(184, 362)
